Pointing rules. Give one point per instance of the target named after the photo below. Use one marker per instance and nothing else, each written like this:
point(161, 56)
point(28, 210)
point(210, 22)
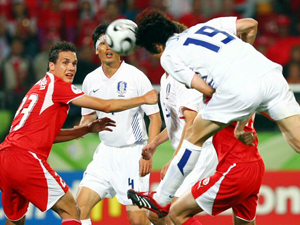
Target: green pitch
point(76, 154)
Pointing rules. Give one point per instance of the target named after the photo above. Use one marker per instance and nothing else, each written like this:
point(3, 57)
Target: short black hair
point(154, 27)
point(101, 29)
point(62, 46)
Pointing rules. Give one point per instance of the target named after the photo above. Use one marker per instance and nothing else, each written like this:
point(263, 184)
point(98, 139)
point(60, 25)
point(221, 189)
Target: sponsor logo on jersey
point(75, 89)
point(122, 88)
point(43, 83)
point(168, 90)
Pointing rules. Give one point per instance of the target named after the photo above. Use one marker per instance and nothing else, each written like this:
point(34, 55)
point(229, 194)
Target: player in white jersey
point(241, 78)
point(117, 164)
point(180, 107)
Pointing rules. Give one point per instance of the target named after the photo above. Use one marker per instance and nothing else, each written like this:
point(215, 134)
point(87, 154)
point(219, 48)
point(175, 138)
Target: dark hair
point(154, 27)
point(63, 46)
point(101, 29)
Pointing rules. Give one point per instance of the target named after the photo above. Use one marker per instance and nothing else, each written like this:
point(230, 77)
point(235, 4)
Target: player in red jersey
point(25, 175)
point(235, 184)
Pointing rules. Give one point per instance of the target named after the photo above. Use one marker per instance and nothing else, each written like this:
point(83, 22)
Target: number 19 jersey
point(41, 115)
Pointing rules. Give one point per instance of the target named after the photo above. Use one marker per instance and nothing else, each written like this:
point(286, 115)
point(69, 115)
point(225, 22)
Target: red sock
point(192, 221)
point(70, 222)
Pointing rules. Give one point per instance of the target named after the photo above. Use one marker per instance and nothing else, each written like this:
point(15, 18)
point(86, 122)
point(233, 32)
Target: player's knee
point(173, 215)
point(153, 217)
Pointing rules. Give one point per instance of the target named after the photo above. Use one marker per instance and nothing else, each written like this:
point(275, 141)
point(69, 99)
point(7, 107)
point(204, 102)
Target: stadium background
point(29, 27)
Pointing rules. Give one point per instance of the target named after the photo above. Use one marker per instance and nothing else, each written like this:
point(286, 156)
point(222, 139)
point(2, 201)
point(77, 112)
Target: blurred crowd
point(28, 28)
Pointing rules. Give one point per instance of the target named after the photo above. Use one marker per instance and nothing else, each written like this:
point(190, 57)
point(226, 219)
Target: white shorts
point(115, 170)
point(205, 167)
point(270, 93)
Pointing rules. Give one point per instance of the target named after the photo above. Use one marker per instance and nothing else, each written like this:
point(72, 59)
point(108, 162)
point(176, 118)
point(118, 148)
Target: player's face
point(65, 67)
point(106, 55)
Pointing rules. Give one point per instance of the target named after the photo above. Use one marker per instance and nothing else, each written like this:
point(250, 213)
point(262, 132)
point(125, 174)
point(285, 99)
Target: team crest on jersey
point(168, 90)
point(43, 83)
point(122, 88)
point(75, 89)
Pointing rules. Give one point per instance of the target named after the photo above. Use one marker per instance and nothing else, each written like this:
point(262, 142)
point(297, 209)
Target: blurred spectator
point(5, 8)
point(87, 22)
point(162, 5)
point(85, 63)
point(4, 39)
point(227, 8)
point(130, 10)
point(294, 57)
point(70, 11)
point(195, 16)
point(177, 8)
point(262, 44)
point(111, 13)
point(17, 73)
point(50, 21)
point(293, 73)
point(41, 60)
point(246, 8)
point(23, 27)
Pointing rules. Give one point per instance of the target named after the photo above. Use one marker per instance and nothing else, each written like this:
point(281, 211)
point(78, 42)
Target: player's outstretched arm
point(93, 127)
point(115, 105)
point(247, 29)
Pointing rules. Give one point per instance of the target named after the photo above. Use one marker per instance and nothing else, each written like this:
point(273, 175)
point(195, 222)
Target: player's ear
point(51, 66)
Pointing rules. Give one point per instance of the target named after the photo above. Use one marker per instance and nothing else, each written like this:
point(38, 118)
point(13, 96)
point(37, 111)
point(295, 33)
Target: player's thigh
point(86, 199)
point(66, 207)
point(202, 129)
point(184, 206)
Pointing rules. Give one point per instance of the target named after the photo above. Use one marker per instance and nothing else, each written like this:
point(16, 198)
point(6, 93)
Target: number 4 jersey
point(41, 115)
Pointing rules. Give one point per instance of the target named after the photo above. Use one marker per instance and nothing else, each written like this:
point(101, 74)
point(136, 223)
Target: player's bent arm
point(154, 125)
point(199, 84)
point(93, 127)
point(247, 29)
point(189, 116)
point(115, 105)
point(161, 138)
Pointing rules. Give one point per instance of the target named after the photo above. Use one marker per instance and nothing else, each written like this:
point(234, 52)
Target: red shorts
point(27, 178)
point(233, 186)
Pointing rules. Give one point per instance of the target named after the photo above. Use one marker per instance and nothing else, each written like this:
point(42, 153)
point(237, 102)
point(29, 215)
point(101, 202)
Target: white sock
point(182, 164)
point(86, 222)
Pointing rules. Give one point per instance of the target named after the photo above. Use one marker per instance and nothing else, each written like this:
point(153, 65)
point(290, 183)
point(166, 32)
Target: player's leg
point(19, 222)
point(201, 130)
point(86, 199)
point(238, 221)
point(290, 128)
point(183, 210)
point(137, 216)
point(67, 209)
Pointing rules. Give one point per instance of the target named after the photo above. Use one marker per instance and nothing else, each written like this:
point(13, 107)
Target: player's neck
point(110, 69)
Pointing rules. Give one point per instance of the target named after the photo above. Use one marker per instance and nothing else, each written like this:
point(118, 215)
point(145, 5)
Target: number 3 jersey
point(214, 52)
point(41, 115)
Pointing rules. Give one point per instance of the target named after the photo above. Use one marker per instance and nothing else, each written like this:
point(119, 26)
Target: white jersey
point(173, 97)
point(213, 51)
point(127, 82)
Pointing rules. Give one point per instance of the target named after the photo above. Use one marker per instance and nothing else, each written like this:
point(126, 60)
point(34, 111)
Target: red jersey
point(231, 150)
point(41, 115)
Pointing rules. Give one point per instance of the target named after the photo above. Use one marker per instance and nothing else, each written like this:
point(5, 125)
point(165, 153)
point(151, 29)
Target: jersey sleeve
point(65, 92)
point(224, 23)
point(174, 66)
point(86, 89)
point(144, 85)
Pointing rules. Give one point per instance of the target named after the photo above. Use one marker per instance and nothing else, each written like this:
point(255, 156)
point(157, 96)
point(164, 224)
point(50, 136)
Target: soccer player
point(243, 79)
point(25, 175)
point(180, 107)
point(117, 164)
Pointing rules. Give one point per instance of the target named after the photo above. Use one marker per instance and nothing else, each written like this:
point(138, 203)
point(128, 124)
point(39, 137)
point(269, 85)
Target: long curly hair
point(154, 27)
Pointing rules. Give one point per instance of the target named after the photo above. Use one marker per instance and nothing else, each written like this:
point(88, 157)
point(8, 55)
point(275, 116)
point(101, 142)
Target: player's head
point(154, 29)
point(63, 61)
point(181, 27)
point(104, 52)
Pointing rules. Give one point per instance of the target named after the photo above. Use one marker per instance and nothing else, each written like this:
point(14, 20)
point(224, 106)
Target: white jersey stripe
point(48, 97)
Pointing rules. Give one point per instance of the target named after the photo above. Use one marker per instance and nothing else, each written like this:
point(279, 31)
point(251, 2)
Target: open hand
point(101, 125)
